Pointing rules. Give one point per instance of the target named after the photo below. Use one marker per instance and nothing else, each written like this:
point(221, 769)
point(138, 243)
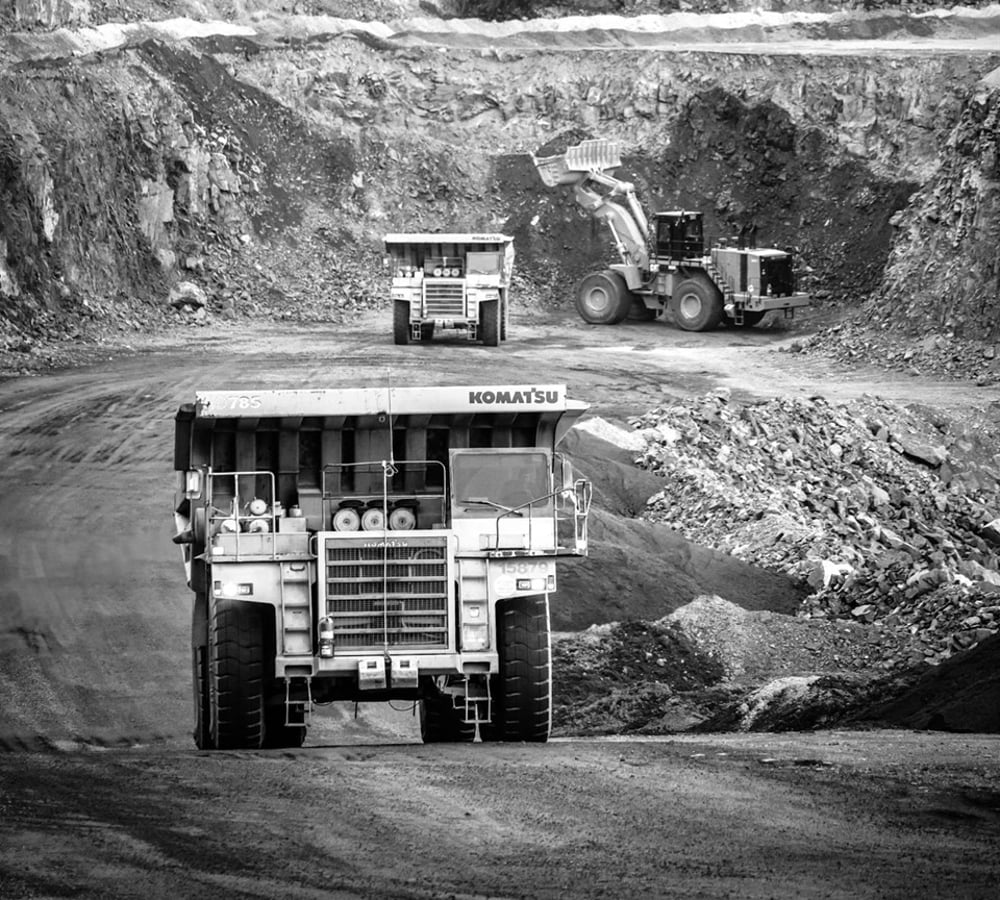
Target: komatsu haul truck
point(375, 544)
point(450, 282)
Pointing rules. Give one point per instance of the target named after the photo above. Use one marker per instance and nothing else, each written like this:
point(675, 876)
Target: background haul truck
point(664, 265)
point(375, 544)
point(450, 281)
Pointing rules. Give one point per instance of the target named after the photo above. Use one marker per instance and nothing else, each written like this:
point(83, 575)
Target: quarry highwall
point(122, 172)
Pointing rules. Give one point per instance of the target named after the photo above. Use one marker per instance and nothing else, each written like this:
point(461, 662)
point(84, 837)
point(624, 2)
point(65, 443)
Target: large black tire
point(697, 305)
point(522, 692)
point(504, 315)
point(202, 699)
point(750, 319)
point(489, 322)
point(236, 644)
point(427, 332)
point(440, 722)
point(401, 321)
point(603, 298)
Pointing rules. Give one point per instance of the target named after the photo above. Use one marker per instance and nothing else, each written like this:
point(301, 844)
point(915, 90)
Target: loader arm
point(628, 225)
point(585, 167)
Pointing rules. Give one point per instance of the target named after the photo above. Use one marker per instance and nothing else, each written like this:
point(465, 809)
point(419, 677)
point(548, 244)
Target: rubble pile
point(889, 513)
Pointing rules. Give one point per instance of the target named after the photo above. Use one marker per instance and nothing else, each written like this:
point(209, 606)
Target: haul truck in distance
point(450, 281)
point(375, 544)
point(664, 264)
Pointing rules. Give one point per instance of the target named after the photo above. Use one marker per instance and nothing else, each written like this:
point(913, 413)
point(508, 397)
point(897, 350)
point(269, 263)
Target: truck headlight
point(537, 584)
point(475, 626)
point(232, 589)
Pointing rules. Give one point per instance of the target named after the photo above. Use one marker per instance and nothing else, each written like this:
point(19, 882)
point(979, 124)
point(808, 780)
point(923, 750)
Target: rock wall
point(943, 275)
point(265, 167)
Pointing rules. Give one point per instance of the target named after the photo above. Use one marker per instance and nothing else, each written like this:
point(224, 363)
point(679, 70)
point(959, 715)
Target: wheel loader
point(664, 262)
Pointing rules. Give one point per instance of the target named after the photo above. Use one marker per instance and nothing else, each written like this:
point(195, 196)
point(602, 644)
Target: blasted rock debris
point(889, 513)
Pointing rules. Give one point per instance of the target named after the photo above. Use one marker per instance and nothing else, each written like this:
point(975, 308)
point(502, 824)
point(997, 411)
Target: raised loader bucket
point(587, 156)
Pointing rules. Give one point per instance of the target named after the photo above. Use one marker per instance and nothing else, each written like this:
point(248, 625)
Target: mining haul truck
point(375, 544)
point(450, 282)
point(664, 263)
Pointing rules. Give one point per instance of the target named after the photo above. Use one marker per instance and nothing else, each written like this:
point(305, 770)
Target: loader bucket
point(587, 156)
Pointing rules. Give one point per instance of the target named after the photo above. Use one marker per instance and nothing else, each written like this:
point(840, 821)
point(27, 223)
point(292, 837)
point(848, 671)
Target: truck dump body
point(381, 528)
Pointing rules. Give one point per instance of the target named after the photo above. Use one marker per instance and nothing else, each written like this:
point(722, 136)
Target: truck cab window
point(482, 482)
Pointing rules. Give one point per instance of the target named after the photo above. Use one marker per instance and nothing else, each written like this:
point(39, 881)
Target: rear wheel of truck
point(440, 722)
point(489, 322)
point(603, 298)
point(426, 332)
point(401, 322)
point(696, 305)
point(236, 644)
point(522, 691)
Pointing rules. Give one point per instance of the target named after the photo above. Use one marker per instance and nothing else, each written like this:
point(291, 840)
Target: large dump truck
point(375, 544)
point(455, 282)
point(665, 264)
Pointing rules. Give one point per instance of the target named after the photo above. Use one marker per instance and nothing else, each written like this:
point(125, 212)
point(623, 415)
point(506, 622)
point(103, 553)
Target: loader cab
point(679, 235)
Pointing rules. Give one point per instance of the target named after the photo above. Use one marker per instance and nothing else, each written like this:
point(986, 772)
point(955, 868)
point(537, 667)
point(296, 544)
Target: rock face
point(944, 272)
point(266, 159)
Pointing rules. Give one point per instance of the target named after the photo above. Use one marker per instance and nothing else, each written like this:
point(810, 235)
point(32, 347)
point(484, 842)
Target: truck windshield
point(484, 481)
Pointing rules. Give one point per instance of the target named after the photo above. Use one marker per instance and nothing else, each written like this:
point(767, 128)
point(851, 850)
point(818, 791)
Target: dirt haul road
point(102, 793)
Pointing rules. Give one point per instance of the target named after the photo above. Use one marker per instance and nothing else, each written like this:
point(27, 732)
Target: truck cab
point(450, 282)
point(375, 544)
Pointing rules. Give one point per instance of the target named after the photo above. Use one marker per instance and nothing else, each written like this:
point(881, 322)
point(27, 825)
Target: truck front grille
point(395, 595)
point(444, 298)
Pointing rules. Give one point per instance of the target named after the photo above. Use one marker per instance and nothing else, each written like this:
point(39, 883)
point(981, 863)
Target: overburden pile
point(890, 513)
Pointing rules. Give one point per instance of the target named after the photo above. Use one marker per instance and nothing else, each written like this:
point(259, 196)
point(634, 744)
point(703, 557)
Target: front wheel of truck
point(401, 321)
point(236, 645)
point(490, 322)
point(440, 721)
point(522, 691)
point(202, 699)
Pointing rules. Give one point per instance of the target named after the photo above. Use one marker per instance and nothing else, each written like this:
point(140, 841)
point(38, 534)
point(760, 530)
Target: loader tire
point(696, 304)
point(603, 298)
point(401, 321)
point(440, 722)
point(522, 691)
point(489, 322)
point(236, 646)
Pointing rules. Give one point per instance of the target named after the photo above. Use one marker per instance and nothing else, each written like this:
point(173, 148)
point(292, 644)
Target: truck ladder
point(303, 707)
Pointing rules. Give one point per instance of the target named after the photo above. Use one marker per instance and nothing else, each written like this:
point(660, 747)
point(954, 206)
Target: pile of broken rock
point(888, 512)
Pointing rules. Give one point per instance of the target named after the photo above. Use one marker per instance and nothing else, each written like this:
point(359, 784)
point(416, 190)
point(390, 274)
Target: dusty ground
point(103, 795)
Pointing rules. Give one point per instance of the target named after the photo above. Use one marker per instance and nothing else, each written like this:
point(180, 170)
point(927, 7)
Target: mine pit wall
point(120, 170)
point(819, 151)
